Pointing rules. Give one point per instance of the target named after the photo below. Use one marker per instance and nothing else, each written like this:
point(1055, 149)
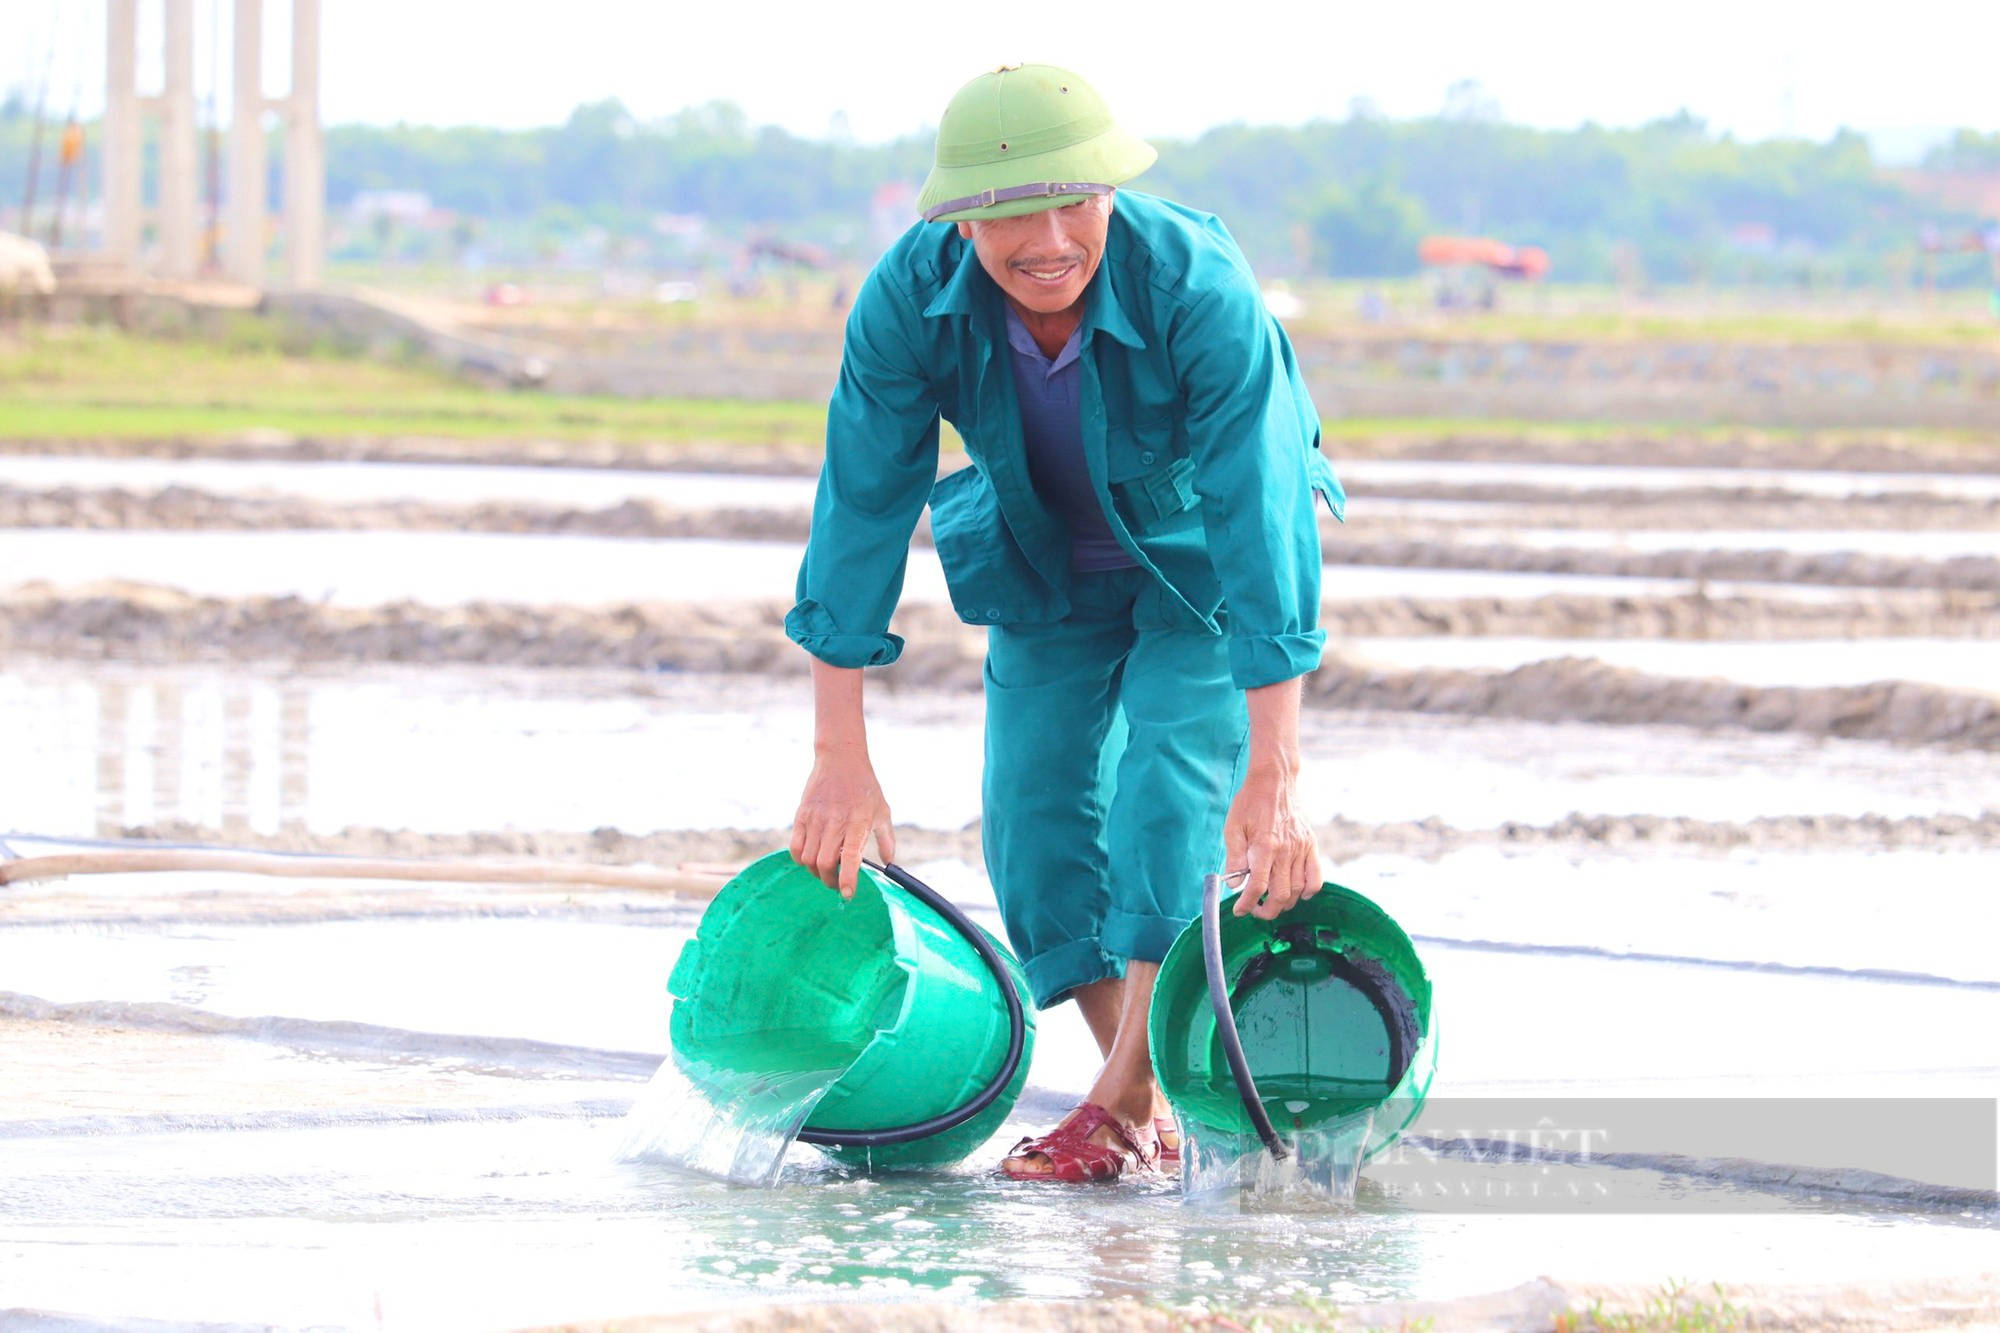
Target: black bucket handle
point(1017, 1031)
point(1225, 1017)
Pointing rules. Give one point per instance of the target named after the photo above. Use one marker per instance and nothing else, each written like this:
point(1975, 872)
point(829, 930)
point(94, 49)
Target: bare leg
point(1125, 1086)
point(1103, 1006)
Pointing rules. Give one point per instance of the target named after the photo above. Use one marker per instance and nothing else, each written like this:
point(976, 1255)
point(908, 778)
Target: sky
point(875, 69)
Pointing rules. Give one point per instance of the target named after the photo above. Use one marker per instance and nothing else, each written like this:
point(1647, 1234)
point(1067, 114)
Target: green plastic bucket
point(1333, 1010)
point(783, 976)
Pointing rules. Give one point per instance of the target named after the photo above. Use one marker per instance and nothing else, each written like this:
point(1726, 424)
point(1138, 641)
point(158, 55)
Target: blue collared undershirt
point(1052, 424)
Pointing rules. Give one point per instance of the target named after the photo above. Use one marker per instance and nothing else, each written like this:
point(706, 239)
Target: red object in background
point(505, 293)
point(1526, 261)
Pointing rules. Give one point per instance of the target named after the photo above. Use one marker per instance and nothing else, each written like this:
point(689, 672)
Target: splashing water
point(729, 1124)
point(1323, 1165)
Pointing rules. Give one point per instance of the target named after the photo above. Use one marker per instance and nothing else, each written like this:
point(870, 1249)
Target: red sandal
point(1169, 1154)
point(1073, 1157)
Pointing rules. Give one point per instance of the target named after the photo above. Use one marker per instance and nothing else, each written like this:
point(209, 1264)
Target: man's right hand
point(842, 805)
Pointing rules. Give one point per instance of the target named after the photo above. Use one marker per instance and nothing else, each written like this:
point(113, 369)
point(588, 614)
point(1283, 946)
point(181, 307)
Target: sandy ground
point(1344, 839)
point(1391, 544)
point(1546, 1305)
point(1884, 451)
point(67, 1066)
point(129, 622)
point(76, 1062)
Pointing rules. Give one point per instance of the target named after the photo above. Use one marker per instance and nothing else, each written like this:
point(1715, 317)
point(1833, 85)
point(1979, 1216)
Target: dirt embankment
point(1574, 689)
point(159, 625)
point(1884, 451)
point(1544, 1305)
point(1842, 569)
point(1615, 509)
point(140, 623)
point(1340, 841)
point(179, 508)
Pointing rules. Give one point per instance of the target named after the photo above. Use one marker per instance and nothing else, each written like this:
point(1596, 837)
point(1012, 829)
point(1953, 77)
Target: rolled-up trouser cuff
point(1143, 938)
point(1053, 975)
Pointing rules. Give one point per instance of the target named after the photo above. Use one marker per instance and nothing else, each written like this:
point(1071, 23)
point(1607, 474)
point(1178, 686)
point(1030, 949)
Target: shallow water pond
point(103, 747)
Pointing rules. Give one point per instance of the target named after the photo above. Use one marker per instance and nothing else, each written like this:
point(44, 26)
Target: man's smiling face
point(1043, 260)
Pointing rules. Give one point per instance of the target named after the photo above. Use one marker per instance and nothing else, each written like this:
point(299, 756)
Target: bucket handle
point(1225, 1017)
point(1017, 1031)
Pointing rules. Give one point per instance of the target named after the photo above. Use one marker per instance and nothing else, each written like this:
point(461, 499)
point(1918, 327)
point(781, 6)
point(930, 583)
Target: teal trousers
point(1115, 741)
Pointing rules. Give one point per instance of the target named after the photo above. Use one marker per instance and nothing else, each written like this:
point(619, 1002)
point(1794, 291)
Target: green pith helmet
point(1024, 138)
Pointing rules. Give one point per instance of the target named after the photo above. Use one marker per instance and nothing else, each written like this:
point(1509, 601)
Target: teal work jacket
point(1201, 441)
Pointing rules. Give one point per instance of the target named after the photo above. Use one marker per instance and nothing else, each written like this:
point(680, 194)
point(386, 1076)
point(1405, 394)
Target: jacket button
point(1146, 457)
point(993, 613)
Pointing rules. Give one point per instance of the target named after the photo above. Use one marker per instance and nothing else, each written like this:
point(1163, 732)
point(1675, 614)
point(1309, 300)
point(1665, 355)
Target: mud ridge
point(1574, 689)
point(596, 1108)
point(372, 1040)
point(1340, 840)
point(1525, 505)
point(171, 626)
point(1884, 451)
point(1513, 507)
point(182, 509)
point(1971, 1301)
point(140, 622)
point(1414, 545)
point(1846, 569)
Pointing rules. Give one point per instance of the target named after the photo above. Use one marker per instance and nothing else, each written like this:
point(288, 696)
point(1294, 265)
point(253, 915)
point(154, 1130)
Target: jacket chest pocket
point(1151, 481)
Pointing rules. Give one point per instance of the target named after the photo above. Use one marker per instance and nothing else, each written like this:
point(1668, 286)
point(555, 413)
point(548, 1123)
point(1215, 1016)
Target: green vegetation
point(1673, 1310)
point(99, 383)
point(1669, 202)
point(96, 383)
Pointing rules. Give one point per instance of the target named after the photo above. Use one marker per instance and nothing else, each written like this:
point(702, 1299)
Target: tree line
point(1671, 201)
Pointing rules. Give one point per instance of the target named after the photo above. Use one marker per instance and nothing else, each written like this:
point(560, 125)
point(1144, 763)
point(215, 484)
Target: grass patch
point(1675, 1309)
point(96, 383)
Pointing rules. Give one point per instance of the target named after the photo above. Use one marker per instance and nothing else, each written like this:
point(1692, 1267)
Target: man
point(1136, 530)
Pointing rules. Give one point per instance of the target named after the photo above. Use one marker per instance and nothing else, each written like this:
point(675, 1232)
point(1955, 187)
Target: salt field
point(104, 747)
point(390, 1105)
point(1559, 478)
point(1960, 664)
point(448, 568)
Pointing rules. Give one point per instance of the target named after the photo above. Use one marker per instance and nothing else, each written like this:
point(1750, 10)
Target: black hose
point(1017, 1032)
point(1225, 1017)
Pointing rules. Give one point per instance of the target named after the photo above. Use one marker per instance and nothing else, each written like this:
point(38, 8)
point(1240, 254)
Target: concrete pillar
point(179, 161)
point(243, 252)
point(122, 181)
point(305, 156)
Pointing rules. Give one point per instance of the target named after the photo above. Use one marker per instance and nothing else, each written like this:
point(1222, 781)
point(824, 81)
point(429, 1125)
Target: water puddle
point(472, 483)
point(101, 747)
point(486, 1226)
point(454, 568)
point(732, 1125)
point(438, 568)
point(434, 483)
point(1927, 545)
point(432, 1215)
point(1322, 1166)
point(1584, 477)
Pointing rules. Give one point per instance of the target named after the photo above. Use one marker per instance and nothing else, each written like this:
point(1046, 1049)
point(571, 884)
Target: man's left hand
point(1267, 833)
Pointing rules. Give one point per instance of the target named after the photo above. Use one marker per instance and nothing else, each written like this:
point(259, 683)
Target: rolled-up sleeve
point(881, 460)
point(1246, 436)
